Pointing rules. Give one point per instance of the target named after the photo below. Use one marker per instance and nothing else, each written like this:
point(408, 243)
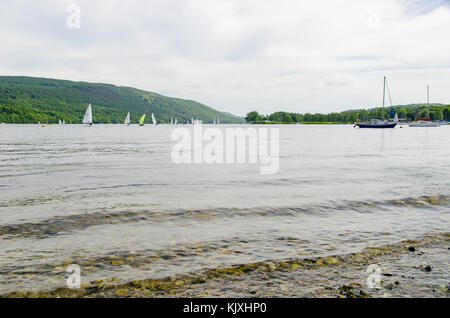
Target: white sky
point(239, 55)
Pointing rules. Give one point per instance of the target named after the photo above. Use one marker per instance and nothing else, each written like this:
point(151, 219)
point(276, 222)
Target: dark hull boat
point(377, 123)
point(381, 125)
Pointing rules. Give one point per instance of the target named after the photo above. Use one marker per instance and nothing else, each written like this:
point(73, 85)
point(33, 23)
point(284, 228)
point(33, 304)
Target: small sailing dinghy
point(142, 120)
point(88, 116)
point(128, 120)
point(176, 121)
point(154, 120)
point(377, 123)
point(425, 122)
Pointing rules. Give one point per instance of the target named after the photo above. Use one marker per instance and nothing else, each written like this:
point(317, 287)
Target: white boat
point(88, 116)
point(128, 120)
point(425, 122)
point(154, 119)
point(176, 121)
point(64, 121)
point(171, 121)
point(59, 122)
point(442, 122)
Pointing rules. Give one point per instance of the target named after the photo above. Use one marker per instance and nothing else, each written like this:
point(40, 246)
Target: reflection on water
point(109, 199)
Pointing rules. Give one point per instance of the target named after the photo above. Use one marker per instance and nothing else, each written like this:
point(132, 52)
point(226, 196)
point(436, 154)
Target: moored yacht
point(377, 123)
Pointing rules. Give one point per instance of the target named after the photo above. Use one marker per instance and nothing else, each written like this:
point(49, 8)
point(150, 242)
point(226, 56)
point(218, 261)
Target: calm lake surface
point(110, 199)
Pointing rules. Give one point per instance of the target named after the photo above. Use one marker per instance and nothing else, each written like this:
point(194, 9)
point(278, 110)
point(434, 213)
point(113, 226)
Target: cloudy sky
point(239, 55)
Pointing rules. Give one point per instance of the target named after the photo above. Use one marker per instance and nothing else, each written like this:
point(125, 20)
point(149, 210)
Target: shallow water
point(110, 199)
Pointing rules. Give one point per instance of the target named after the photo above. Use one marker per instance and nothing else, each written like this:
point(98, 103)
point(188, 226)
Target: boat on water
point(154, 120)
point(88, 116)
point(442, 122)
point(377, 123)
point(425, 122)
point(128, 120)
point(142, 120)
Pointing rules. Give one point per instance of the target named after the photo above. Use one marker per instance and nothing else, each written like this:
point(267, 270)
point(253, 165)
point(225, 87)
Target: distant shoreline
point(301, 123)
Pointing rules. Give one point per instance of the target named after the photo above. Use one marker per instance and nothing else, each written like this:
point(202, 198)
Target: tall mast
point(384, 94)
point(428, 101)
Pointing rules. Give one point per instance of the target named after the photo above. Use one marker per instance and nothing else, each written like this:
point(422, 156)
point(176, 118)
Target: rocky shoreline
point(411, 268)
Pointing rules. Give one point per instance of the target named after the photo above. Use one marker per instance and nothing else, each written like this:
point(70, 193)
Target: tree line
point(408, 112)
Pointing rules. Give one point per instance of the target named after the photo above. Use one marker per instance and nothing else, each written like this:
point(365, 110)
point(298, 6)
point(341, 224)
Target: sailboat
point(88, 116)
point(176, 121)
point(154, 119)
point(425, 122)
point(64, 122)
point(142, 120)
point(59, 122)
point(442, 122)
point(128, 120)
point(376, 123)
point(171, 121)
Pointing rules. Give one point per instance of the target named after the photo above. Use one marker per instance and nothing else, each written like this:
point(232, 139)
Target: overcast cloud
point(238, 56)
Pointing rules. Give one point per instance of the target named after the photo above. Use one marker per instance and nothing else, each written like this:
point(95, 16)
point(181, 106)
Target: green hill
point(29, 100)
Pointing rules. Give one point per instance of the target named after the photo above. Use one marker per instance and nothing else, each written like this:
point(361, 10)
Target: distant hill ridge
point(31, 99)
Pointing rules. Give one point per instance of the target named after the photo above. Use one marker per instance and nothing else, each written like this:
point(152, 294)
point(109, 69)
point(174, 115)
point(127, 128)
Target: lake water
point(109, 198)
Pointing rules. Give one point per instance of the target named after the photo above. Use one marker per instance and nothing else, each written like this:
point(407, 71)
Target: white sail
point(128, 120)
point(154, 119)
point(396, 118)
point(171, 121)
point(60, 122)
point(88, 116)
point(176, 121)
point(218, 121)
point(64, 121)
